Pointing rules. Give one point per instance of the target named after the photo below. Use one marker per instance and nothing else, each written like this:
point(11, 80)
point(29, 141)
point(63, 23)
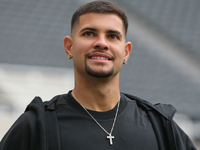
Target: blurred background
point(164, 66)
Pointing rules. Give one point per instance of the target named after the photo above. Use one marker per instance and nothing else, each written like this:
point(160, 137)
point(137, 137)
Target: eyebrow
point(115, 32)
point(88, 28)
point(94, 29)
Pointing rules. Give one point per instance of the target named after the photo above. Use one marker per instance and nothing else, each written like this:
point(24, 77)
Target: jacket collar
point(166, 110)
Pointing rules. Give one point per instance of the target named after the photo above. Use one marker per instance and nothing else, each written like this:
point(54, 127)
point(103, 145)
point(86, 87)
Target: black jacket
point(37, 128)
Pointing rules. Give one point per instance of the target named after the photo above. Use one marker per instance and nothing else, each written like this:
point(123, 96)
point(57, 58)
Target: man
point(95, 115)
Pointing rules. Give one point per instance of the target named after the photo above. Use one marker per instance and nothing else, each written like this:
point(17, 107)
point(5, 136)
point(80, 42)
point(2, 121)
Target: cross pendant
point(110, 137)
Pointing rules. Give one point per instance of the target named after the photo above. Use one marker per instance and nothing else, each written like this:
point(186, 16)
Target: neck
point(97, 94)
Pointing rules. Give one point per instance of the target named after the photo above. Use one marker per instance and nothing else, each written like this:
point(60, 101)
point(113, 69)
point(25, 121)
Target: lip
point(100, 56)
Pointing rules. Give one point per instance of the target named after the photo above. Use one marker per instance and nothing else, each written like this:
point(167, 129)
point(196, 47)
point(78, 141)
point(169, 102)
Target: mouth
point(101, 56)
point(98, 57)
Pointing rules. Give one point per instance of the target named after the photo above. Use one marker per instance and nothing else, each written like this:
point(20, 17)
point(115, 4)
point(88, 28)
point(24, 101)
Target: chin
point(99, 74)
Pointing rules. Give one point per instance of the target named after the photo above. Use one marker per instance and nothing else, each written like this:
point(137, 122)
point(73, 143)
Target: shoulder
point(24, 129)
point(166, 110)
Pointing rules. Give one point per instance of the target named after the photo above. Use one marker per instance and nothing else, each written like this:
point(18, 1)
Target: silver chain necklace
point(110, 136)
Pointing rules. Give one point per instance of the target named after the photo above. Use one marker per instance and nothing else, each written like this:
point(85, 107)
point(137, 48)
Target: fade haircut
point(99, 6)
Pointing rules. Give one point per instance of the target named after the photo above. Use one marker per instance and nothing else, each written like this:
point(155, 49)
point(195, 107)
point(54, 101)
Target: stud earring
point(69, 56)
point(125, 61)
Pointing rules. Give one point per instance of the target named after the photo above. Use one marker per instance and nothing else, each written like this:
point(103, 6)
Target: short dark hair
point(99, 6)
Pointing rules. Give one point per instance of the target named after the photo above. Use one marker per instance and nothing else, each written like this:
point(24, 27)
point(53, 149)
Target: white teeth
point(98, 58)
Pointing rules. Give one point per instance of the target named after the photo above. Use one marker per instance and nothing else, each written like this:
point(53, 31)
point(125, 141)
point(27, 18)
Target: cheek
point(79, 50)
point(81, 46)
point(119, 52)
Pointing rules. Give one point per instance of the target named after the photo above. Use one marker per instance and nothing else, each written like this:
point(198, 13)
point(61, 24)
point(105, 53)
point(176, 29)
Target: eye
point(113, 36)
point(88, 34)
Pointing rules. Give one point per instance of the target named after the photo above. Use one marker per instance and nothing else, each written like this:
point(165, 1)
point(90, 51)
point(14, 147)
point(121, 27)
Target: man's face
point(98, 46)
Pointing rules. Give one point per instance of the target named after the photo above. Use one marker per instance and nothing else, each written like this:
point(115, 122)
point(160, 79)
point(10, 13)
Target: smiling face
point(98, 45)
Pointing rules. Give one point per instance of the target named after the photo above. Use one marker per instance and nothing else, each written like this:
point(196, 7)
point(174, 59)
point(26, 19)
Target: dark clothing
point(79, 131)
point(134, 128)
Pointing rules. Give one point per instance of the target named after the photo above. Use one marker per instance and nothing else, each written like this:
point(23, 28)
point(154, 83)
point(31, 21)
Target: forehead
point(101, 22)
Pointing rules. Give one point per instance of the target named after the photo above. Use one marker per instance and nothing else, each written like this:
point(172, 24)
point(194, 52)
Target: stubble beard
point(98, 74)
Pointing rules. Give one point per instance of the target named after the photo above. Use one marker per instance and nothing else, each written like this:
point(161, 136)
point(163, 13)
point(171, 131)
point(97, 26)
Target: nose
point(101, 43)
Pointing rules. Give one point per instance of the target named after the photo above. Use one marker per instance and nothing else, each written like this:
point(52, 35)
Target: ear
point(68, 43)
point(128, 48)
